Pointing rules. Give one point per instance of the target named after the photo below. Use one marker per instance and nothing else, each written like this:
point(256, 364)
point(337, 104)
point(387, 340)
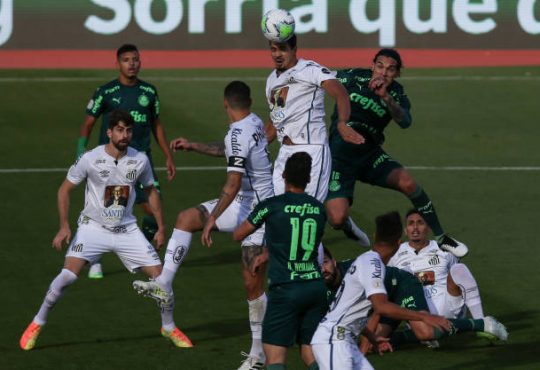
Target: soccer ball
point(278, 25)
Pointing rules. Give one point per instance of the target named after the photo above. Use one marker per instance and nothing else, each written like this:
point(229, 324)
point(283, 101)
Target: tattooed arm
point(216, 149)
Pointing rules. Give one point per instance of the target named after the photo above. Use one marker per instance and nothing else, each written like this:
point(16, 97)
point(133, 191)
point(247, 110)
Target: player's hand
point(379, 86)
point(180, 143)
point(159, 238)
point(258, 262)
point(171, 169)
point(439, 322)
point(382, 345)
point(349, 134)
point(206, 237)
point(64, 234)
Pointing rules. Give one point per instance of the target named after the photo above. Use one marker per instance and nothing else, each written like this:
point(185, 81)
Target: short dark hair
point(412, 211)
point(124, 49)
point(390, 53)
point(327, 253)
point(118, 116)
point(388, 228)
point(292, 42)
point(297, 169)
point(238, 95)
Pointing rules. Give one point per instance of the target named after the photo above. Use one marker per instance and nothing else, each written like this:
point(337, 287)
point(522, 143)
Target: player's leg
point(149, 224)
point(276, 357)
point(461, 282)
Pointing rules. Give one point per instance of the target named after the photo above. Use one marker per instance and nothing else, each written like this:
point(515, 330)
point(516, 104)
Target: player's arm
point(84, 133)
point(337, 91)
point(245, 229)
point(371, 326)
point(154, 202)
point(399, 114)
point(159, 135)
point(64, 232)
point(383, 307)
point(228, 193)
point(215, 149)
point(380, 344)
point(270, 130)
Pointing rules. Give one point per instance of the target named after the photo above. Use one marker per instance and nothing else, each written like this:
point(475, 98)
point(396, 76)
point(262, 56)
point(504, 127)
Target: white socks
point(177, 249)
point(56, 290)
point(257, 309)
point(463, 278)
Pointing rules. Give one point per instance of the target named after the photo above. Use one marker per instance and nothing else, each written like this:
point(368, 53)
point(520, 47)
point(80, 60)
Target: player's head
point(237, 96)
point(387, 63)
point(120, 129)
point(416, 228)
point(388, 230)
point(117, 191)
point(128, 60)
point(329, 269)
point(284, 54)
point(297, 170)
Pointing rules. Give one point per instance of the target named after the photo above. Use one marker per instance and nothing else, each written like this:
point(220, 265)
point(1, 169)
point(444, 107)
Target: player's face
point(329, 270)
point(417, 229)
point(120, 136)
point(129, 64)
point(283, 56)
point(385, 67)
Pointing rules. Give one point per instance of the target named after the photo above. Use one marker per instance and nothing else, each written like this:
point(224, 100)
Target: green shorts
point(408, 293)
point(293, 312)
point(349, 164)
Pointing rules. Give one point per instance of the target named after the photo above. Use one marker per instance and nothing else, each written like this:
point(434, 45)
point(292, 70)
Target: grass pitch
point(472, 146)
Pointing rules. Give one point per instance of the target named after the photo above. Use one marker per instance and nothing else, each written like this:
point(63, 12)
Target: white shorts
point(234, 215)
point(343, 355)
point(127, 242)
point(446, 305)
point(320, 168)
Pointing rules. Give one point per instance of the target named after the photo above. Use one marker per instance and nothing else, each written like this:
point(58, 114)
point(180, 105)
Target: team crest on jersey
point(143, 101)
point(132, 174)
point(334, 185)
point(434, 260)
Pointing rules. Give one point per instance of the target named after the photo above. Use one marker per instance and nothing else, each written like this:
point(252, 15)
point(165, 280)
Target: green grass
point(105, 325)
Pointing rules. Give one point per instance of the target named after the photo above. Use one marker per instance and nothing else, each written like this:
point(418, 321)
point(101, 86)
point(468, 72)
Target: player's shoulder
point(147, 87)
point(397, 87)
point(109, 87)
point(310, 65)
point(353, 75)
point(249, 124)
point(134, 156)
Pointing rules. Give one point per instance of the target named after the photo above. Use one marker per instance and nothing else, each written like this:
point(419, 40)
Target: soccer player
point(362, 289)
point(449, 286)
point(405, 290)
point(249, 181)
point(107, 169)
point(376, 99)
point(140, 99)
point(295, 92)
point(294, 224)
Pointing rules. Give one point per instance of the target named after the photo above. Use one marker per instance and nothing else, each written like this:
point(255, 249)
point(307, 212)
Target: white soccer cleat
point(432, 344)
point(357, 234)
point(453, 246)
point(153, 290)
point(251, 362)
point(95, 271)
point(494, 329)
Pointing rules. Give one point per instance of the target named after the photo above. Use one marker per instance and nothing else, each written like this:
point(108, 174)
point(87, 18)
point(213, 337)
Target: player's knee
point(337, 217)
point(189, 220)
point(422, 331)
point(460, 275)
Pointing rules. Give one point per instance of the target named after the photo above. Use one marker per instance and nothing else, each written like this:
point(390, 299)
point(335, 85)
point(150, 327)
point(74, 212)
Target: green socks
point(149, 227)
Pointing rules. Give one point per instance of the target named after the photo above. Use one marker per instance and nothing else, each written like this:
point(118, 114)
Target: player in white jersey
point(106, 224)
point(249, 181)
point(448, 284)
point(362, 289)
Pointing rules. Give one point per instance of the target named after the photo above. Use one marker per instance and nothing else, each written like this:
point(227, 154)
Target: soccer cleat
point(29, 337)
point(251, 362)
point(453, 246)
point(153, 290)
point(177, 337)
point(493, 329)
point(356, 234)
point(95, 271)
point(432, 344)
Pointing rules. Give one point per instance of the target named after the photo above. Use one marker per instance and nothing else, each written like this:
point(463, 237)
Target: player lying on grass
point(249, 181)
point(362, 290)
point(106, 224)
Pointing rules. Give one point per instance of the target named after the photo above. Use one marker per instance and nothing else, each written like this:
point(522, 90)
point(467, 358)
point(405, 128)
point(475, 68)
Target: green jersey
point(369, 114)
point(141, 100)
point(294, 229)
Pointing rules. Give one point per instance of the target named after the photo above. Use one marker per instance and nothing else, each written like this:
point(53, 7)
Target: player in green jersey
point(376, 99)
point(294, 224)
point(140, 99)
point(405, 290)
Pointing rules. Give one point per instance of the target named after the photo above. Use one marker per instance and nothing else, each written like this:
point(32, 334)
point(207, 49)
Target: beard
point(121, 145)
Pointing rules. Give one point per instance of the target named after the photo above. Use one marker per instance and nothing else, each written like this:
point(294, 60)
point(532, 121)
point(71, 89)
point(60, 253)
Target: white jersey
point(431, 265)
point(110, 184)
point(296, 101)
point(348, 313)
point(246, 150)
